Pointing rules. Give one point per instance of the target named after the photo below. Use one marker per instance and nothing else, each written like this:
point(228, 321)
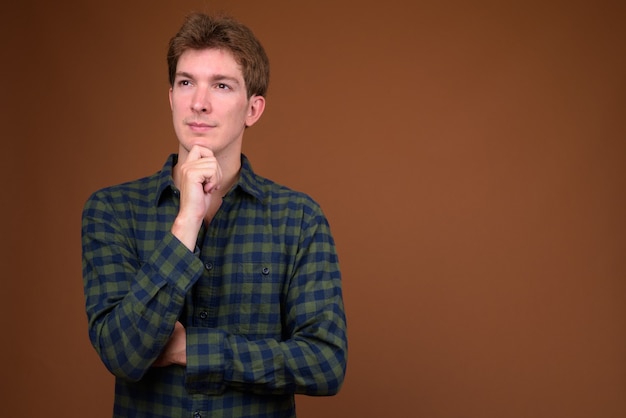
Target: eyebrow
point(216, 77)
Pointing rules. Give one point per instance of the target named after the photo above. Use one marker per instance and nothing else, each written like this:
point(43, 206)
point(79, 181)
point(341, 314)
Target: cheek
point(178, 102)
point(177, 113)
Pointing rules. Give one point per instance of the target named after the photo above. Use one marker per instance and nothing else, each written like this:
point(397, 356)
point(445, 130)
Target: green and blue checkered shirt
point(260, 299)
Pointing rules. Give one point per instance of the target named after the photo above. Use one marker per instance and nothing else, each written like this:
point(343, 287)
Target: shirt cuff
point(206, 362)
point(173, 262)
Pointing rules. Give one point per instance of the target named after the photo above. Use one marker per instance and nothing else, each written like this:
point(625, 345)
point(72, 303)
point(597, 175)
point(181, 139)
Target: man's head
point(200, 31)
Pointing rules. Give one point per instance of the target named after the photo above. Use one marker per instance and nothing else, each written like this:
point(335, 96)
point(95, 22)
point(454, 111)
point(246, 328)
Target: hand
point(175, 351)
point(197, 177)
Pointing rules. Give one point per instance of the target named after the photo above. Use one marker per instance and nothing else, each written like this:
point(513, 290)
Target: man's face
point(209, 102)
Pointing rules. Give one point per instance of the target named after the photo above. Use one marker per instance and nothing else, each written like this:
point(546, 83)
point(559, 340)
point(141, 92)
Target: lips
point(200, 125)
point(197, 126)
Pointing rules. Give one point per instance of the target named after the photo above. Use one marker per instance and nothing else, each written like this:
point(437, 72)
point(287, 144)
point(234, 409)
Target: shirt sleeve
point(132, 304)
point(311, 360)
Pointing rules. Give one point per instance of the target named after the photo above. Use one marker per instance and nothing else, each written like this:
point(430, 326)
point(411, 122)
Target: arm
point(311, 357)
point(132, 304)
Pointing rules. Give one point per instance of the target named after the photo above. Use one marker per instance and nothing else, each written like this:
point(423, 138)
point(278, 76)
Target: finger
point(198, 151)
point(212, 178)
point(212, 184)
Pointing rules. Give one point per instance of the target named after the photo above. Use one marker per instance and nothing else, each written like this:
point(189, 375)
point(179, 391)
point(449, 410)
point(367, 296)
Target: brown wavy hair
point(200, 31)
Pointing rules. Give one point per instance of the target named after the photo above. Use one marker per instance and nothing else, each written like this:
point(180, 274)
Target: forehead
point(208, 62)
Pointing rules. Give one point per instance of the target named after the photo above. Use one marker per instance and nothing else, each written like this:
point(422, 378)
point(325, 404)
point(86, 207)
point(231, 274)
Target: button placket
point(203, 314)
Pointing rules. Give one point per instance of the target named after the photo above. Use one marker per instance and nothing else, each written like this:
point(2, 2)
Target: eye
point(223, 86)
point(184, 83)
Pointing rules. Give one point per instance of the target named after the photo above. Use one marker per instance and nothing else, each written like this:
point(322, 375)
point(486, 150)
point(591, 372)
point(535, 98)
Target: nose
point(201, 102)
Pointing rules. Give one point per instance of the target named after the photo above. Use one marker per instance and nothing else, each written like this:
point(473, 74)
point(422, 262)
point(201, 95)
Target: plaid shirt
point(260, 299)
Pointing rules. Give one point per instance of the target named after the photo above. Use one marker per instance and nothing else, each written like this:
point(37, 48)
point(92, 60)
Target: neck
point(229, 178)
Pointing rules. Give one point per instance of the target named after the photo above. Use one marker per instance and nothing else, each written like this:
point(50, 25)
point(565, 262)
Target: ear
point(170, 96)
point(256, 106)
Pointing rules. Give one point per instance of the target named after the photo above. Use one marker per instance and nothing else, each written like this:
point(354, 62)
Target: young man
point(211, 291)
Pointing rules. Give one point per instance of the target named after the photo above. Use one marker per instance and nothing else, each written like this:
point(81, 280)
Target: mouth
point(200, 126)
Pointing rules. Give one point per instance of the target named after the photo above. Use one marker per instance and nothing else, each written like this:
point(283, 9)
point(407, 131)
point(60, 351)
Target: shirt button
point(204, 315)
point(265, 271)
point(208, 266)
point(197, 415)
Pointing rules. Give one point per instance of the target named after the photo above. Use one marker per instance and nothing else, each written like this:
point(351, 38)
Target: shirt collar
point(248, 181)
point(165, 181)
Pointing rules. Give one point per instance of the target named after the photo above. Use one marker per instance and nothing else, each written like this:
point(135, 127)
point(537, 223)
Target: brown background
point(469, 155)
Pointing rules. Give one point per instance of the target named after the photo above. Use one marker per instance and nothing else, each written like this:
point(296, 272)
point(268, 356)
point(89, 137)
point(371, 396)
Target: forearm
point(132, 304)
point(309, 363)
point(130, 333)
point(312, 361)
